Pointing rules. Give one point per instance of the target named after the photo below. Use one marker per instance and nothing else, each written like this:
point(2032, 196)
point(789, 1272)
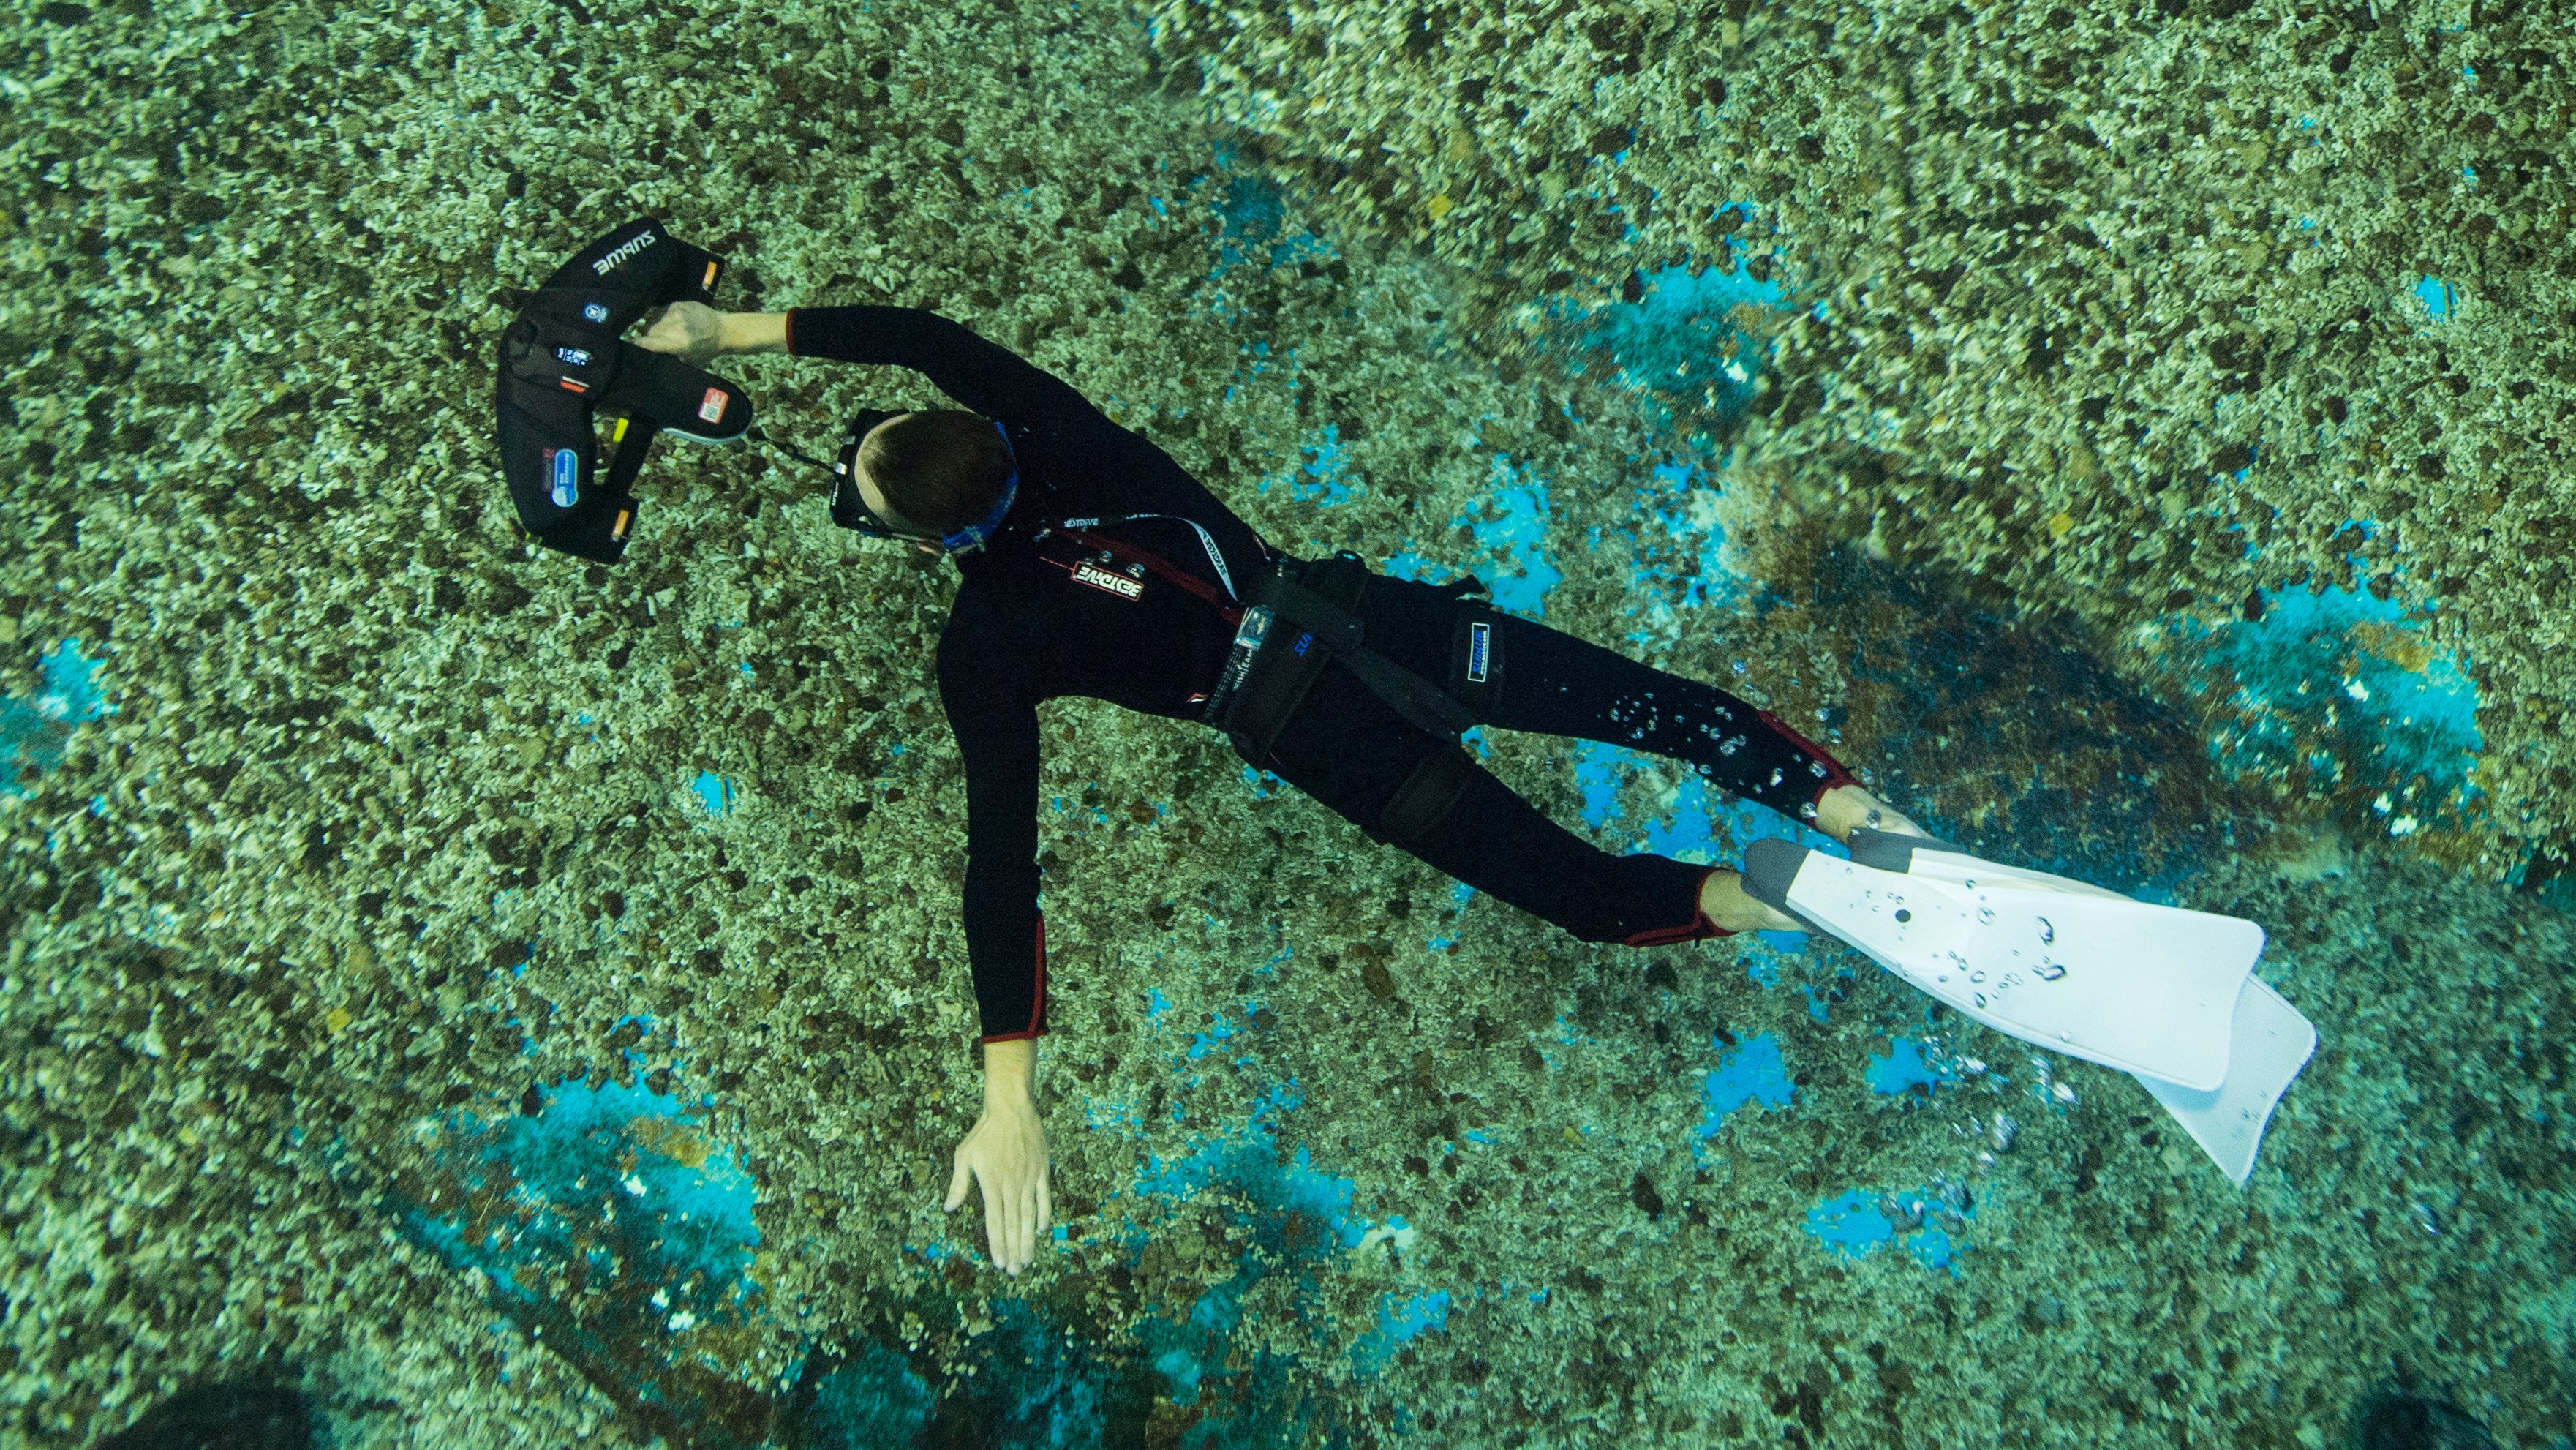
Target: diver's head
point(927, 475)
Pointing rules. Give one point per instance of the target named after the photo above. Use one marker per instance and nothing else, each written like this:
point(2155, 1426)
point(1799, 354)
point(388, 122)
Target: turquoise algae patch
point(1324, 480)
point(1682, 498)
point(714, 792)
point(1753, 1072)
point(618, 1191)
point(1255, 215)
point(1684, 345)
point(35, 730)
point(2342, 690)
point(1854, 1224)
point(1290, 1218)
point(1905, 1069)
point(1509, 525)
point(609, 1226)
point(605, 1154)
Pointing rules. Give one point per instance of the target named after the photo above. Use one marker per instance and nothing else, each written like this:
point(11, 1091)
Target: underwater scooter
point(563, 358)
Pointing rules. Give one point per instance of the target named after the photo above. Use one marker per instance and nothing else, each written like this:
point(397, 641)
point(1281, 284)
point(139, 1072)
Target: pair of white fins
point(2167, 995)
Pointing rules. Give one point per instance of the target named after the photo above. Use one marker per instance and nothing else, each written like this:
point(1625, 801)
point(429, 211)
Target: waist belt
point(1299, 614)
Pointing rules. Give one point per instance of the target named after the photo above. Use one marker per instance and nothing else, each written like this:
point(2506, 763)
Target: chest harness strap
point(1078, 530)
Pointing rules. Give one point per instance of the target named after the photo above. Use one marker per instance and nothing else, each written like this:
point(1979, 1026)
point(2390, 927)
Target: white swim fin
point(1925, 856)
point(2148, 989)
point(2268, 1040)
point(2163, 993)
point(2269, 1044)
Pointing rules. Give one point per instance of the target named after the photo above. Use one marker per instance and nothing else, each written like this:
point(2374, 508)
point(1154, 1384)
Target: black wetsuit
point(1142, 611)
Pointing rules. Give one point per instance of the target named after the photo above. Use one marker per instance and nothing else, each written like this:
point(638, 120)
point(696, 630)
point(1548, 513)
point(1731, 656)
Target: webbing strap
point(1335, 626)
point(1413, 697)
point(1340, 631)
point(1206, 541)
point(1319, 602)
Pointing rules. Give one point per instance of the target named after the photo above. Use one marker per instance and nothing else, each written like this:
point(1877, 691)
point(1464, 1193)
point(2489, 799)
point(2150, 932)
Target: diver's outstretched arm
point(755, 332)
point(697, 334)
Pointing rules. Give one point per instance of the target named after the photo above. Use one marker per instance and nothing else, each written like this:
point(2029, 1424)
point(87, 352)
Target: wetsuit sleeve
point(982, 374)
point(996, 724)
point(1123, 472)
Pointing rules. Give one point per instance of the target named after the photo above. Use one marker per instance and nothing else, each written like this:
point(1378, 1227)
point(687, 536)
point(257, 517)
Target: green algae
point(2076, 261)
point(369, 746)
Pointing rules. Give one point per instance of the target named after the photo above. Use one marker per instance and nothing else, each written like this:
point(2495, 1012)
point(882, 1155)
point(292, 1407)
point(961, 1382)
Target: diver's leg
point(1533, 678)
point(1346, 748)
point(1557, 684)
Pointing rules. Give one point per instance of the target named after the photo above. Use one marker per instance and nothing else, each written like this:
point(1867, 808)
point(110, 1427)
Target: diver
point(1091, 564)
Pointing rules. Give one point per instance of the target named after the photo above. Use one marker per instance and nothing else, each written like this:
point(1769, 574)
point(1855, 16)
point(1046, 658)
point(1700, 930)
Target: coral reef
point(386, 835)
point(2114, 307)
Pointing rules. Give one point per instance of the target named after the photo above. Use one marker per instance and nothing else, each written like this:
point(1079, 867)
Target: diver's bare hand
point(693, 332)
point(1006, 1153)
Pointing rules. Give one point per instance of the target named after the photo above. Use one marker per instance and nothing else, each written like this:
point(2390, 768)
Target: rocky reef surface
point(520, 1002)
point(2116, 308)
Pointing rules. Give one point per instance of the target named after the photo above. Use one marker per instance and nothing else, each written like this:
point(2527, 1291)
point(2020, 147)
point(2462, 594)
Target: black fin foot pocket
point(1893, 850)
point(1770, 865)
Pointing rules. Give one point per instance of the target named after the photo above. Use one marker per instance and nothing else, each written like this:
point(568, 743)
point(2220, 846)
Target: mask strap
point(967, 540)
point(758, 436)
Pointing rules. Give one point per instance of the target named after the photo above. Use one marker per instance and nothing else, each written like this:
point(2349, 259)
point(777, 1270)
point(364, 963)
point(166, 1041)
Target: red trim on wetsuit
point(1699, 928)
point(788, 330)
point(1037, 999)
point(1156, 564)
point(1837, 777)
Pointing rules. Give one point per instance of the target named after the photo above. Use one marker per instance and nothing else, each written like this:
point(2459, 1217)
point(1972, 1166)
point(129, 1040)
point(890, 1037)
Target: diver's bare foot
point(1848, 808)
point(1723, 899)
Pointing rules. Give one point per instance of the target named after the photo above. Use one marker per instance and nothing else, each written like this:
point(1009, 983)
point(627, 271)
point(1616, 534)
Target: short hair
point(941, 469)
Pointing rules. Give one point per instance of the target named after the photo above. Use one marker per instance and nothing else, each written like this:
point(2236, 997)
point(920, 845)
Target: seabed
point(503, 1001)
